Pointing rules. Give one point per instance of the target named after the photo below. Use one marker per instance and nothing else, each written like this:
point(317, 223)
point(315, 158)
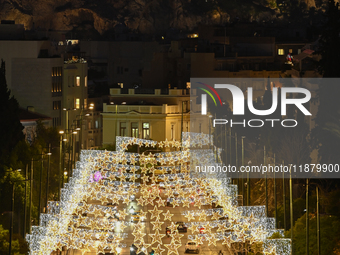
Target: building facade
point(148, 114)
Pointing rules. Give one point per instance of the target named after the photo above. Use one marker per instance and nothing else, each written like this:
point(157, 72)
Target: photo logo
point(204, 97)
point(238, 99)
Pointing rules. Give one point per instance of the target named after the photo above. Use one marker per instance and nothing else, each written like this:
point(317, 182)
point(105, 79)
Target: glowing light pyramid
point(94, 213)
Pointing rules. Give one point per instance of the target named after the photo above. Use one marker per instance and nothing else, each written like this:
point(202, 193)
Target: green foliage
point(275, 235)
point(329, 233)
point(19, 246)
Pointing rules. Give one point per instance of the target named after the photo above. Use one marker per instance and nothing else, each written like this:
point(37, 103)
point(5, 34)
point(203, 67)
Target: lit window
point(290, 50)
point(123, 129)
point(85, 80)
point(77, 104)
point(78, 81)
point(120, 84)
point(146, 130)
point(134, 129)
point(85, 103)
point(280, 52)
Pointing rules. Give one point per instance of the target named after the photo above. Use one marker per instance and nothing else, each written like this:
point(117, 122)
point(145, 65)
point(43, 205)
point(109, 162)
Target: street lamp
point(61, 132)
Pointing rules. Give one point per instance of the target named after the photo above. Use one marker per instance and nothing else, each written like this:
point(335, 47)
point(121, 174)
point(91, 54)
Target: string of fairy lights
point(86, 219)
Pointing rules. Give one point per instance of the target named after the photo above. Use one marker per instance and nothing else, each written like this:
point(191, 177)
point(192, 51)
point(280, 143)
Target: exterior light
point(78, 128)
point(49, 154)
point(74, 132)
point(64, 109)
point(64, 140)
point(123, 102)
point(61, 132)
point(65, 173)
point(87, 114)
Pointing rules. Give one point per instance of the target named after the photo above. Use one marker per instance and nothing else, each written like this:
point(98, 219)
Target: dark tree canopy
point(11, 128)
point(324, 136)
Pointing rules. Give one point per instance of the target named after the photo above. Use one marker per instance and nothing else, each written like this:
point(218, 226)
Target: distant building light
point(123, 102)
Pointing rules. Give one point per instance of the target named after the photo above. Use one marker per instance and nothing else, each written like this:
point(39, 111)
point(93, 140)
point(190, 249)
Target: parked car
point(181, 227)
point(192, 246)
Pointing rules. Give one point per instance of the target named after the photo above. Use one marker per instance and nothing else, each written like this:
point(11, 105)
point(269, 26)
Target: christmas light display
point(94, 213)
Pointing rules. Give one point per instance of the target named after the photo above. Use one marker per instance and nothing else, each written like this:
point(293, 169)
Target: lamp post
point(242, 137)
point(266, 181)
point(307, 217)
point(284, 197)
point(61, 132)
point(291, 206)
point(48, 173)
point(275, 201)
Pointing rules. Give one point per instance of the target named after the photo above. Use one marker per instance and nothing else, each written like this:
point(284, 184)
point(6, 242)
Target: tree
point(11, 128)
point(327, 94)
point(329, 229)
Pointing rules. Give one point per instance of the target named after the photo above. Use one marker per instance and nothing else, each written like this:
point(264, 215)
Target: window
point(96, 123)
point(85, 103)
point(280, 52)
point(134, 129)
point(85, 81)
point(78, 81)
point(56, 105)
point(290, 50)
point(56, 81)
point(146, 130)
point(299, 51)
point(122, 129)
point(121, 84)
point(172, 134)
point(77, 103)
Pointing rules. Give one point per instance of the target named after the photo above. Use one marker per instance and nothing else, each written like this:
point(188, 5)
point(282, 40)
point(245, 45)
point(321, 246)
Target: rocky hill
point(142, 16)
